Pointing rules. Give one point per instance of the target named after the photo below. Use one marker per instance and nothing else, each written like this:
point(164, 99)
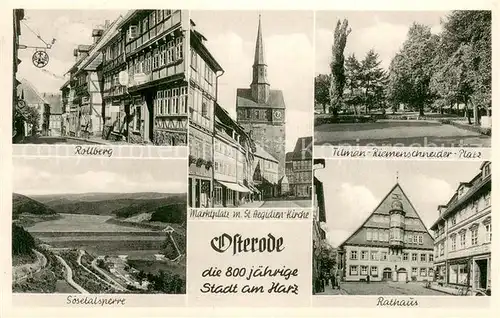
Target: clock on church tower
point(277, 115)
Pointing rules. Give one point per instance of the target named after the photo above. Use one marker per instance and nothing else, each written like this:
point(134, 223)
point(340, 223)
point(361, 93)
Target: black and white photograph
point(250, 130)
point(403, 78)
point(100, 77)
point(404, 228)
point(94, 226)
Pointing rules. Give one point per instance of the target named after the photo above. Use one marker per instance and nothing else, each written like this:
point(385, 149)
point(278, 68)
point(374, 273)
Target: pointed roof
point(259, 47)
point(28, 92)
point(379, 218)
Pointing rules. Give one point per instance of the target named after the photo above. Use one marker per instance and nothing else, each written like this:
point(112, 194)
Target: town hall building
point(393, 244)
point(261, 110)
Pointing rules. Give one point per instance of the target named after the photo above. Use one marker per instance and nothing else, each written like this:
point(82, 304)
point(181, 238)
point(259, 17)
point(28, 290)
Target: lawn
point(404, 133)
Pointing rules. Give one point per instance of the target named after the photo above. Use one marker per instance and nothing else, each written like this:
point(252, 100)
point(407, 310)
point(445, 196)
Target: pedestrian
point(333, 281)
point(367, 279)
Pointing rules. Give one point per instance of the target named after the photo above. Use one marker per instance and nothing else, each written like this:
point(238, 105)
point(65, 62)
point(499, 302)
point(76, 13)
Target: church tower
point(260, 85)
point(261, 110)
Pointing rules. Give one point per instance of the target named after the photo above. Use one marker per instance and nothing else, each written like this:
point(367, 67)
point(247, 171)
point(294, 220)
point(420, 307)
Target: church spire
point(260, 85)
point(259, 47)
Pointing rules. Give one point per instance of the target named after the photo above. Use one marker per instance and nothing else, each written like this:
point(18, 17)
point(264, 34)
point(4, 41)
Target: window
point(441, 248)
point(384, 256)
point(405, 256)
point(453, 220)
point(374, 255)
point(423, 272)
point(488, 232)
point(353, 270)
point(368, 232)
point(156, 58)
point(453, 242)
point(431, 272)
point(374, 271)
point(474, 235)
point(183, 100)
point(178, 49)
point(431, 258)
point(410, 238)
point(375, 235)
point(420, 239)
point(414, 257)
point(414, 271)
point(415, 239)
point(354, 255)
point(364, 255)
point(364, 270)
point(423, 257)
point(204, 108)
point(462, 239)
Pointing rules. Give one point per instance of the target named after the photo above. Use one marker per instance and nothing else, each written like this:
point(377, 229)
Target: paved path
point(330, 291)
point(254, 204)
point(404, 133)
point(388, 288)
point(69, 276)
point(288, 204)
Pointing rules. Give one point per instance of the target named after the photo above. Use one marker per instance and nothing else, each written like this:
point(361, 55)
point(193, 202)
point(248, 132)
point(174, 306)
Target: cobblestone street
point(387, 288)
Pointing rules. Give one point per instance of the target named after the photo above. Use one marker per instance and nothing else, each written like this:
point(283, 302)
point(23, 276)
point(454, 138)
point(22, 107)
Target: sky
point(70, 28)
point(354, 188)
point(383, 31)
point(61, 175)
point(288, 47)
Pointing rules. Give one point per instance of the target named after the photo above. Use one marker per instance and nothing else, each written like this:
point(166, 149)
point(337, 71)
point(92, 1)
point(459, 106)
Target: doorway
point(387, 274)
point(402, 275)
point(481, 274)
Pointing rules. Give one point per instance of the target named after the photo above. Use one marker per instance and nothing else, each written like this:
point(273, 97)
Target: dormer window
point(487, 170)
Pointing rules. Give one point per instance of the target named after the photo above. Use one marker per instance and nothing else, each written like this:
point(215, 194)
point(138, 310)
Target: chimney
point(97, 34)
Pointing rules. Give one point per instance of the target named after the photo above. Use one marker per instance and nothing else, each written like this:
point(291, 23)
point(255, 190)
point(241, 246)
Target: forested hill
point(22, 241)
point(22, 204)
point(120, 204)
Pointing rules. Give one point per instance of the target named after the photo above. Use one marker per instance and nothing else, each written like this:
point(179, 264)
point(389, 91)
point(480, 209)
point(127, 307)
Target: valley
point(105, 251)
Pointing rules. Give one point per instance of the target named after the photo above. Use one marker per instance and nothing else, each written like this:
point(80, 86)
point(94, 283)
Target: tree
point(353, 76)
point(373, 80)
point(462, 65)
point(321, 90)
point(32, 117)
point(411, 69)
point(337, 80)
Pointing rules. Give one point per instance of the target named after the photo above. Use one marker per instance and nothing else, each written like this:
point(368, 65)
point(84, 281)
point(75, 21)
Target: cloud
point(29, 179)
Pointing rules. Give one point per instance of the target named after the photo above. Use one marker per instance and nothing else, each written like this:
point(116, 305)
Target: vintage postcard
point(282, 158)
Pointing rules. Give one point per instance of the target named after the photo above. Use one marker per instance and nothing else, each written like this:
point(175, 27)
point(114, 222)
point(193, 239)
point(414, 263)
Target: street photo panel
point(413, 228)
point(403, 78)
point(100, 77)
point(94, 226)
point(250, 129)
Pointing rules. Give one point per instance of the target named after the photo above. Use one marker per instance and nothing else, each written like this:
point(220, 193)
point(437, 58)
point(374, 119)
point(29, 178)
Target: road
point(387, 288)
point(398, 133)
point(287, 204)
point(69, 276)
point(29, 269)
point(79, 261)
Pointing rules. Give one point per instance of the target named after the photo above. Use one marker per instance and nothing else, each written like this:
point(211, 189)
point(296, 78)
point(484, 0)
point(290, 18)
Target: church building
point(261, 110)
point(393, 244)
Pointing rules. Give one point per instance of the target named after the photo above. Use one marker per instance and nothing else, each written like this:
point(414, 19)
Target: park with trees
point(445, 77)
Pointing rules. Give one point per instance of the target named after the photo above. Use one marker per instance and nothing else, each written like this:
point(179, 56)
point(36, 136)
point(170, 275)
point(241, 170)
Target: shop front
point(229, 194)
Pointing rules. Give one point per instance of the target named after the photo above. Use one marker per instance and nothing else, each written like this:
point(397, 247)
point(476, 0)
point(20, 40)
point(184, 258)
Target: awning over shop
point(246, 189)
point(254, 189)
point(233, 186)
